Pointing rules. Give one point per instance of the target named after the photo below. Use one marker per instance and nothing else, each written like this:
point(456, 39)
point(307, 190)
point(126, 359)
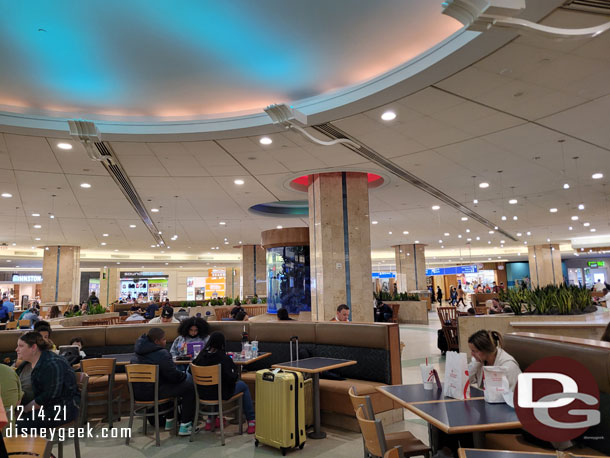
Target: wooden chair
point(374, 438)
point(11, 325)
point(222, 312)
point(23, 324)
point(102, 370)
point(82, 381)
point(410, 444)
point(210, 376)
point(395, 308)
point(449, 317)
point(395, 452)
point(28, 446)
point(148, 373)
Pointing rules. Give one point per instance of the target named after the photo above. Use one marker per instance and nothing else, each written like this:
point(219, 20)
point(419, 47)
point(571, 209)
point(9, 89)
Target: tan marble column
point(253, 278)
point(232, 281)
point(545, 265)
point(110, 285)
point(61, 275)
point(340, 245)
point(410, 267)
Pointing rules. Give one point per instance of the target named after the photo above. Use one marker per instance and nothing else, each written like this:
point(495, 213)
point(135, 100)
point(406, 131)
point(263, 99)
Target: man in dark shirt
point(151, 349)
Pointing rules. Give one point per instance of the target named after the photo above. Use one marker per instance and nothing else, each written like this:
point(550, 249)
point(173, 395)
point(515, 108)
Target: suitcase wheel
point(301, 446)
point(256, 442)
point(283, 450)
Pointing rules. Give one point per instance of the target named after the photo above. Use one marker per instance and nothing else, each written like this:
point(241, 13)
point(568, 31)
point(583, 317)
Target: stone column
point(110, 285)
point(340, 245)
point(410, 267)
point(253, 278)
point(61, 275)
point(545, 265)
point(232, 282)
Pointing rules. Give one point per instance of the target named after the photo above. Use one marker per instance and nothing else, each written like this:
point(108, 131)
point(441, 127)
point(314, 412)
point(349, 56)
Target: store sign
point(216, 273)
point(27, 278)
point(384, 275)
point(141, 274)
point(452, 270)
point(596, 263)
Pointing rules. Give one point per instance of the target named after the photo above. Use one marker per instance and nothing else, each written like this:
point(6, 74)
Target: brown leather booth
point(527, 348)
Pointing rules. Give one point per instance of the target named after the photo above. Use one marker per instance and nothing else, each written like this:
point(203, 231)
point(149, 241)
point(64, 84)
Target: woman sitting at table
point(486, 350)
point(214, 353)
point(53, 383)
point(192, 329)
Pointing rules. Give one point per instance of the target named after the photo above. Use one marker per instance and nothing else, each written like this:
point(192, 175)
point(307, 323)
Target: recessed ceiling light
point(118, 263)
point(513, 201)
point(14, 244)
point(8, 260)
point(35, 214)
point(489, 242)
point(548, 240)
point(469, 240)
point(64, 146)
point(528, 233)
point(574, 218)
point(459, 236)
point(265, 141)
point(116, 250)
point(570, 228)
point(417, 241)
point(153, 246)
point(6, 195)
point(37, 239)
point(597, 176)
point(440, 241)
point(436, 207)
point(239, 242)
point(478, 238)
point(464, 218)
point(586, 224)
point(388, 116)
point(581, 206)
point(475, 201)
point(85, 185)
point(103, 243)
point(519, 234)
point(483, 185)
point(52, 216)
point(592, 229)
point(446, 234)
point(239, 182)
point(503, 218)
point(390, 232)
point(132, 226)
point(468, 230)
point(515, 218)
point(37, 226)
point(154, 210)
point(279, 227)
point(525, 243)
point(491, 232)
point(223, 223)
point(405, 232)
point(489, 259)
point(104, 235)
point(566, 186)
point(553, 210)
point(374, 222)
point(167, 263)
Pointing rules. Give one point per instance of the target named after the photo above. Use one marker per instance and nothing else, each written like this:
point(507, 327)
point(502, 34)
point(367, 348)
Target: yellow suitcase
point(280, 409)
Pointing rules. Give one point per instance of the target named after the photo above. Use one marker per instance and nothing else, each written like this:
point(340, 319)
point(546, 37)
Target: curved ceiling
point(134, 61)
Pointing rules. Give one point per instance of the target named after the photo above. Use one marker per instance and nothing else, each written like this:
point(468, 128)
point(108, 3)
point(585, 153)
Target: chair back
point(222, 312)
point(82, 380)
point(25, 323)
point(207, 376)
point(365, 401)
point(99, 367)
point(372, 432)
point(395, 452)
point(448, 317)
point(395, 308)
point(11, 325)
point(28, 446)
point(142, 373)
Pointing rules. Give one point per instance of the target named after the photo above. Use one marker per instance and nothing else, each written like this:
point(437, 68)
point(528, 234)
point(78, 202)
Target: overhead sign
point(452, 270)
point(384, 275)
point(596, 263)
point(17, 278)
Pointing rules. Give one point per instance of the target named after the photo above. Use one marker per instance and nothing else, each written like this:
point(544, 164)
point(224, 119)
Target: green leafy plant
point(548, 300)
point(228, 300)
point(96, 309)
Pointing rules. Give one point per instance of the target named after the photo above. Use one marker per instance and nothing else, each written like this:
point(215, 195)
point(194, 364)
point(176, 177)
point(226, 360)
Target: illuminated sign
point(452, 270)
point(384, 275)
point(27, 278)
point(596, 263)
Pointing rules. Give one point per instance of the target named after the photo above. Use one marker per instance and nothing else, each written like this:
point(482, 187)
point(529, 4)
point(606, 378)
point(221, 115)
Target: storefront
point(22, 287)
point(587, 272)
point(143, 286)
point(211, 287)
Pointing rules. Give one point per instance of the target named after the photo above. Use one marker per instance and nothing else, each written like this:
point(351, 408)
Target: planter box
point(412, 312)
point(587, 326)
point(78, 320)
point(203, 309)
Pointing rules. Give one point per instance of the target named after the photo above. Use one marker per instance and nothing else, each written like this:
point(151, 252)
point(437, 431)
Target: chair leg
point(60, 449)
point(222, 423)
point(76, 446)
point(130, 426)
point(110, 414)
point(176, 417)
point(240, 417)
point(145, 425)
point(195, 421)
point(158, 439)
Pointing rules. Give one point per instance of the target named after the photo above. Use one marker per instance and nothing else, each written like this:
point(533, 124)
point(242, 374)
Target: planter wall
point(78, 320)
point(412, 312)
point(587, 326)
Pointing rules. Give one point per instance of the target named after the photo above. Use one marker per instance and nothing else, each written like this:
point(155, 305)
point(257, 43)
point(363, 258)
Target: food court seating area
point(374, 346)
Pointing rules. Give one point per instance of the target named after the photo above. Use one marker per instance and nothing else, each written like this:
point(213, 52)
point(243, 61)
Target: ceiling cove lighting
point(388, 116)
point(65, 146)
point(597, 176)
point(483, 185)
point(265, 141)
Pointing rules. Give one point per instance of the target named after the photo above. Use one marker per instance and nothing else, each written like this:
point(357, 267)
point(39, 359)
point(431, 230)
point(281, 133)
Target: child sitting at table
point(192, 329)
point(214, 353)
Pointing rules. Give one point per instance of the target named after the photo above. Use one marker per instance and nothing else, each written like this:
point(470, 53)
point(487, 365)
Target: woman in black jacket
point(214, 353)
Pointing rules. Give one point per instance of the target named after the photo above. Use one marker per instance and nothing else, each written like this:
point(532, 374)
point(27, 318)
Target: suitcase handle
point(296, 340)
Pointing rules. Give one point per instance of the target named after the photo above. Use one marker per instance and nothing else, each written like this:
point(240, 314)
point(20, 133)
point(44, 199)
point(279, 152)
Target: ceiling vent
point(205, 258)
point(162, 258)
point(25, 253)
point(590, 6)
point(88, 134)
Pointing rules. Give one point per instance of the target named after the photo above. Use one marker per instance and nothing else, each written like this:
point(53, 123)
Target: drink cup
point(427, 376)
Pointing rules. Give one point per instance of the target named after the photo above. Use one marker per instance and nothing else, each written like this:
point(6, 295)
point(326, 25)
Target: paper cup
point(427, 376)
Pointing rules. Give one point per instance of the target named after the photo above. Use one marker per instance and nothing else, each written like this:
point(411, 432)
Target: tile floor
point(420, 342)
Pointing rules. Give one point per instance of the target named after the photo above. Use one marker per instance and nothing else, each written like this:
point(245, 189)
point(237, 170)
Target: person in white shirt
point(605, 299)
point(136, 316)
point(599, 286)
point(486, 350)
point(167, 316)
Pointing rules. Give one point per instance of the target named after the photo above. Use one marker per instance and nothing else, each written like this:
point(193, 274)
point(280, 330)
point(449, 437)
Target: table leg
point(317, 432)
point(478, 439)
point(235, 421)
point(433, 438)
point(3, 451)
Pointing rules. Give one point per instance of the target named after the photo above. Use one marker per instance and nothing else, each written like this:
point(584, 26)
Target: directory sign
point(452, 270)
